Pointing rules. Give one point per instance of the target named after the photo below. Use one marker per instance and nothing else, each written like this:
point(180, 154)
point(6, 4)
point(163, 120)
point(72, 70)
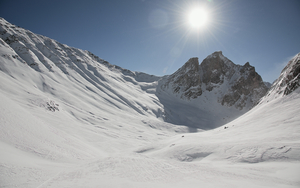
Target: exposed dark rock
point(186, 79)
point(293, 78)
point(242, 83)
point(287, 82)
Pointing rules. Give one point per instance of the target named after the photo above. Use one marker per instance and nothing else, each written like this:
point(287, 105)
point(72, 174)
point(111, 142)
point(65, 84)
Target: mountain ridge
point(215, 74)
point(287, 82)
point(215, 86)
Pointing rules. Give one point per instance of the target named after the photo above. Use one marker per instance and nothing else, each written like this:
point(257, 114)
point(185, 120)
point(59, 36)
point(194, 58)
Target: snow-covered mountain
point(211, 94)
point(233, 85)
point(288, 81)
point(70, 119)
point(215, 92)
point(59, 71)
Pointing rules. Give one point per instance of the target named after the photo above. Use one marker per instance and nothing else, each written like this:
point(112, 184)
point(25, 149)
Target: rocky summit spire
point(235, 85)
point(186, 80)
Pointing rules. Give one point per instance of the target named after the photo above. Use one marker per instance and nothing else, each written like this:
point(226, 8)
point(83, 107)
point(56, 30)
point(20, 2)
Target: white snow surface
point(70, 119)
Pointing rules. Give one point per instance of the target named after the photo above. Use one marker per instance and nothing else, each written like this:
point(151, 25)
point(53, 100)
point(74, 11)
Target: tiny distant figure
point(225, 127)
point(182, 135)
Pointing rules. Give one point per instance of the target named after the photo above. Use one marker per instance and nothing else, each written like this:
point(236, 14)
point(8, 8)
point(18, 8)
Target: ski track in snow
point(140, 170)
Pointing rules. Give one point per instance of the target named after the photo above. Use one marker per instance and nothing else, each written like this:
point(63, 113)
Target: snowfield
point(70, 119)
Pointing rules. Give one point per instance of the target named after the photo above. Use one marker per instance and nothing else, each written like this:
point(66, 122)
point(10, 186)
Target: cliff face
point(288, 81)
point(235, 85)
point(292, 75)
point(186, 80)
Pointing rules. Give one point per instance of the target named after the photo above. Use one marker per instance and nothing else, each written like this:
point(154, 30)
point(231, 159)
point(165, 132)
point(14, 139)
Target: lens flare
point(198, 18)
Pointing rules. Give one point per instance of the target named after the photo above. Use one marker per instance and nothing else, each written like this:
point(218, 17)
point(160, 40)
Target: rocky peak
point(216, 54)
point(189, 69)
point(235, 85)
point(214, 66)
point(186, 79)
point(191, 65)
point(292, 79)
point(288, 81)
point(247, 64)
point(249, 84)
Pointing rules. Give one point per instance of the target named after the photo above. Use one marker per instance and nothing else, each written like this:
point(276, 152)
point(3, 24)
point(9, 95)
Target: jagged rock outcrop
point(234, 85)
point(292, 78)
point(186, 80)
point(287, 82)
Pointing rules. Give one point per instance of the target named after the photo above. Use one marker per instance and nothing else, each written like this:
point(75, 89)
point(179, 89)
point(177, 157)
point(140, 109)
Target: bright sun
point(198, 18)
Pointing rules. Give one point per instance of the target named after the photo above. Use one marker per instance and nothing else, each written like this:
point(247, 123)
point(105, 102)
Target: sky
point(156, 37)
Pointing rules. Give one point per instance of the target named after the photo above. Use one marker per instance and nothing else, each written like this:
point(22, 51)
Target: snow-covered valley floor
point(42, 148)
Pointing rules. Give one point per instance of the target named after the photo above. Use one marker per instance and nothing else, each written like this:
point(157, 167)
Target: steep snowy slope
point(210, 94)
point(51, 63)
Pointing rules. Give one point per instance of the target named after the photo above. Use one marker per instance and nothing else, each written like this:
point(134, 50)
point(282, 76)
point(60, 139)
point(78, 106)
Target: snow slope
point(260, 149)
point(70, 119)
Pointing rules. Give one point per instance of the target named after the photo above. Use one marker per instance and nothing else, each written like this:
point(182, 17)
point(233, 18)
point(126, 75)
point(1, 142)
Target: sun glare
point(197, 18)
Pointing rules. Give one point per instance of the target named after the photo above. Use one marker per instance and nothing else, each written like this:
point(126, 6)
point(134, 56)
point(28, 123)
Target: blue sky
point(154, 36)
